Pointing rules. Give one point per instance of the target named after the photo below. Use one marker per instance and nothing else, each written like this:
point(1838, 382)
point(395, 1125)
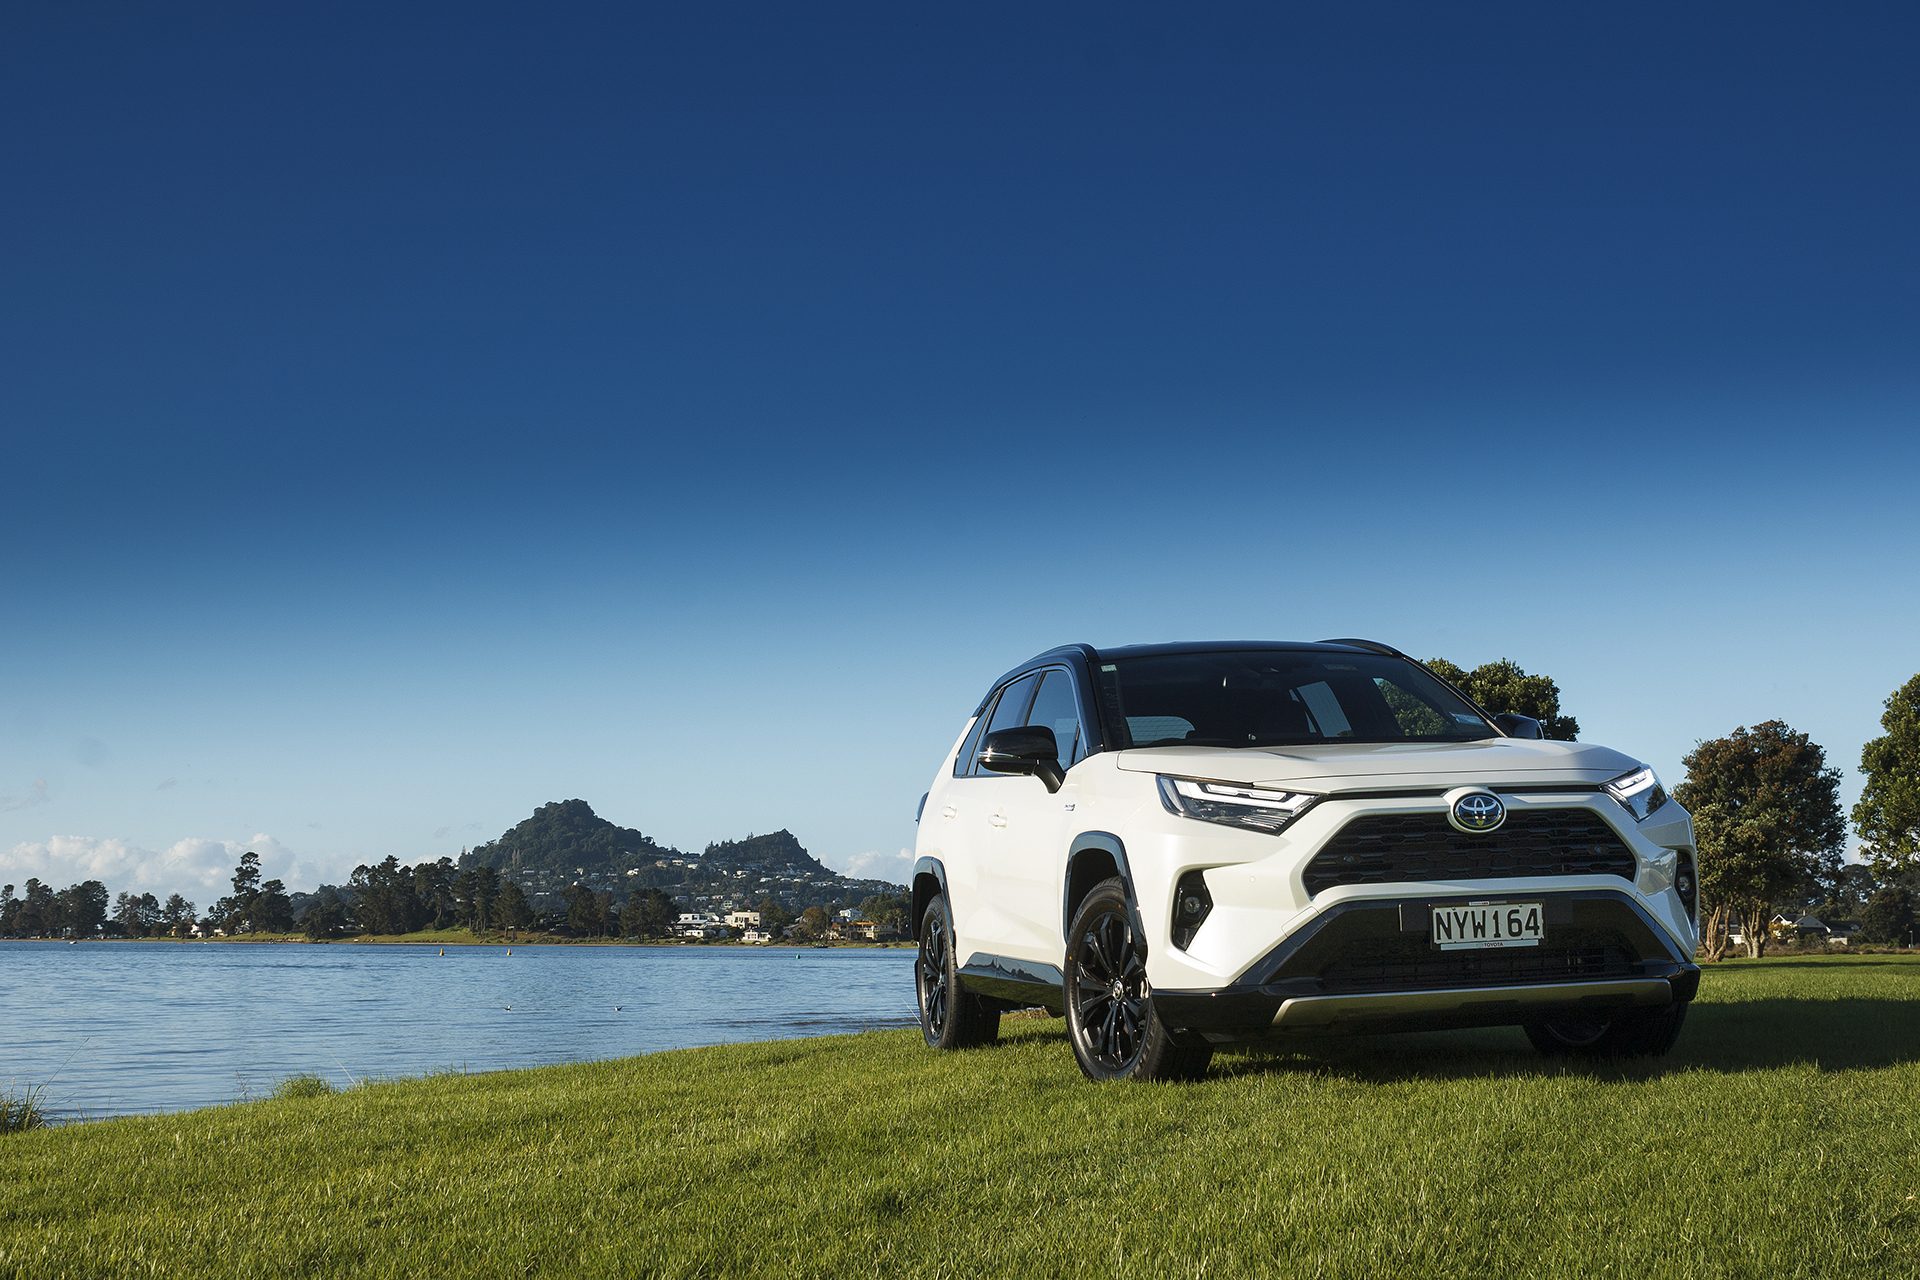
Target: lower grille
point(1393, 848)
point(1412, 964)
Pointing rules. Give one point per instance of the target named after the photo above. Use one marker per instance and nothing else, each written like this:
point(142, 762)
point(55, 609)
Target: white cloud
point(201, 869)
point(877, 864)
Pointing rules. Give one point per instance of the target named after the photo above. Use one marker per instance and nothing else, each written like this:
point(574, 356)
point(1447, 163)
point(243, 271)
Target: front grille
point(1412, 964)
point(1389, 848)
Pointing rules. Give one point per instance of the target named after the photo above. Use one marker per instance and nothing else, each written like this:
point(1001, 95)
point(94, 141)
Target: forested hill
point(566, 841)
point(775, 851)
point(566, 836)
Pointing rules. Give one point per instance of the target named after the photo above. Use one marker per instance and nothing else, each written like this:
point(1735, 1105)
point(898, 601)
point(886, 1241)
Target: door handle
point(949, 812)
point(998, 820)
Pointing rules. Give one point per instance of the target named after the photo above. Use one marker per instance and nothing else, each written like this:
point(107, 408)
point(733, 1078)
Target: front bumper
point(1368, 965)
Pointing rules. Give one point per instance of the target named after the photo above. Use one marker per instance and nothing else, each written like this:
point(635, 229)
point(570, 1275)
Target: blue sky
point(415, 416)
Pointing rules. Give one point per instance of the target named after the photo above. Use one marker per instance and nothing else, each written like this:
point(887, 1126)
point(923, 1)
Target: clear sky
point(412, 414)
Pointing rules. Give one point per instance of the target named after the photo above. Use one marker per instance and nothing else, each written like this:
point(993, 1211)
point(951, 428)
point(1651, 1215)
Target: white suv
point(1188, 845)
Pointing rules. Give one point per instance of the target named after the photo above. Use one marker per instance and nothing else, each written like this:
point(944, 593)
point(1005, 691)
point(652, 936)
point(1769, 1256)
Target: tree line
point(384, 898)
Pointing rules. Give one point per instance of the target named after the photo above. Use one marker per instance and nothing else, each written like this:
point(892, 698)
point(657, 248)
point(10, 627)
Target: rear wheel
point(950, 1018)
point(1111, 1022)
point(1639, 1033)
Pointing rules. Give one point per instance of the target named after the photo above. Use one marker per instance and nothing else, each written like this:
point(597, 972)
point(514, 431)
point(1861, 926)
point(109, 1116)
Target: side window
point(970, 749)
point(1416, 717)
point(1055, 707)
point(1008, 713)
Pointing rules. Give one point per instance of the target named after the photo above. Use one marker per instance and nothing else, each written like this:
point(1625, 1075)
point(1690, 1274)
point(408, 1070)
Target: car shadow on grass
point(1733, 1036)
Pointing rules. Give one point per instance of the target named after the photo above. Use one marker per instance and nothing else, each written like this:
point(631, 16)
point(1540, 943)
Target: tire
point(1111, 1022)
point(1642, 1033)
point(950, 1018)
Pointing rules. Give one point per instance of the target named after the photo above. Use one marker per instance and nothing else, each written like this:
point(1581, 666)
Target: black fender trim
point(922, 895)
point(1104, 842)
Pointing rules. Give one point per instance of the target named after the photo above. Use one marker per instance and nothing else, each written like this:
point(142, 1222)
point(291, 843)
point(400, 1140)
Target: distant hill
point(776, 851)
point(565, 838)
point(566, 842)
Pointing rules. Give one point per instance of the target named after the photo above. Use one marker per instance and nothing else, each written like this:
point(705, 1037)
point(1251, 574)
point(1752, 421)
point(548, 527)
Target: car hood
point(1349, 766)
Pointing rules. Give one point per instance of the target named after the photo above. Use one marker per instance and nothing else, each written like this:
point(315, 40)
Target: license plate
point(1482, 925)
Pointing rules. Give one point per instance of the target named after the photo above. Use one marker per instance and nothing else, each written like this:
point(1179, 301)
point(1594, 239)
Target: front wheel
point(950, 1018)
point(1111, 1022)
point(1640, 1033)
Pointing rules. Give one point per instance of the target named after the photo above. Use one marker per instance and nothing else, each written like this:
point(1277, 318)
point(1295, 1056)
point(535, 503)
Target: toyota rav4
point(1191, 845)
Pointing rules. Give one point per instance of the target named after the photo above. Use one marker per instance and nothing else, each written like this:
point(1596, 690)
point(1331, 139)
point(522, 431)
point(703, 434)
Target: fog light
point(1191, 903)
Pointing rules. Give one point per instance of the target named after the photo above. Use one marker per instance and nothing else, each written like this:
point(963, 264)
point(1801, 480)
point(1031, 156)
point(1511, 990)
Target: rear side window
point(1055, 707)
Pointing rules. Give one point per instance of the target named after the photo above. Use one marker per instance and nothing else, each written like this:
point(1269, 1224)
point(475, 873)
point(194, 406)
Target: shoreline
point(438, 940)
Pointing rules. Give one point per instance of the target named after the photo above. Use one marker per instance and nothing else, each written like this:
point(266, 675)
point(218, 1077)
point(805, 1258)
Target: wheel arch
point(929, 878)
point(1094, 856)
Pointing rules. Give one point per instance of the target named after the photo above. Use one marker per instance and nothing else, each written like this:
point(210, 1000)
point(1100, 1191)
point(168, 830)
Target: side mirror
point(1518, 726)
point(1028, 749)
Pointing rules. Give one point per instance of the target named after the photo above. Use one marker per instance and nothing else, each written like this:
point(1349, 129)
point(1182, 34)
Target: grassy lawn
point(1781, 1139)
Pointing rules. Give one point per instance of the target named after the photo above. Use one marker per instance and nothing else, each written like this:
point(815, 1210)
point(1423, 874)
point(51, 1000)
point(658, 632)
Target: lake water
point(111, 1028)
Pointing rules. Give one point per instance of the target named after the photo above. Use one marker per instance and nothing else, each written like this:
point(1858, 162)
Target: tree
point(1766, 816)
point(1503, 687)
point(511, 910)
point(773, 917)
point(474, 891)
point(1888, 815)
point(583, 910)
point(9, 911)
point(177, 915)
point(326, 915)
point(1888, 916)
point(887, 909)
point(1847, 894)
point(235, 911)
point(433, 886)
point(649, 913)
point(814, 922)
point(384, 897)
point(126, 914)
point(273, 909)
point(38, 913)
point(83, 908)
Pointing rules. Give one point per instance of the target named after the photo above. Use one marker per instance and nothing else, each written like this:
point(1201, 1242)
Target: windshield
point(1262, 698)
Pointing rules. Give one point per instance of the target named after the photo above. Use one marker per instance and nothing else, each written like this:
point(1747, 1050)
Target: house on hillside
point(862, 931)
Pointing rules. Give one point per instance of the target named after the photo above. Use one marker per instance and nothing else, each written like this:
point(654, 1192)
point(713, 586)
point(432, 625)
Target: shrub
point(302, 1086)
point(21, 1111)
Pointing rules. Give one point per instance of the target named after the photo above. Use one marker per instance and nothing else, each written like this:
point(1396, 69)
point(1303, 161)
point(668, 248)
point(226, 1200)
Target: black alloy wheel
point(1110, 993)
point(950, 1017)
point(1116, 1034)
point(930, 977)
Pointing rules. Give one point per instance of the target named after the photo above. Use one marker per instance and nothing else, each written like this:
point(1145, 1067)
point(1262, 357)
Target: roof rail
point(1371, 646)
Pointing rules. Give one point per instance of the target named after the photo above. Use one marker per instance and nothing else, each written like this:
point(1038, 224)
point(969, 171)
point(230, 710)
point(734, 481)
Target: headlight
point(1639, 792)
point(1255, 808)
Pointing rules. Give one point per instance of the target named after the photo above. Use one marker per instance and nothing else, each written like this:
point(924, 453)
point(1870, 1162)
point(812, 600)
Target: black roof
point(1241, 646)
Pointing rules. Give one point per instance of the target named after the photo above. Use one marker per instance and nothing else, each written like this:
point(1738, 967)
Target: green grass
point(1781, 1139)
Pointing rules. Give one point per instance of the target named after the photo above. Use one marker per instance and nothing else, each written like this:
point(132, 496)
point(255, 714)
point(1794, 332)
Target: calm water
point(116, 1027)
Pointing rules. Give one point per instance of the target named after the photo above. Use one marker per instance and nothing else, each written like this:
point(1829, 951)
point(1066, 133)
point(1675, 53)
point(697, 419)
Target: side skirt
point(1018, 984)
